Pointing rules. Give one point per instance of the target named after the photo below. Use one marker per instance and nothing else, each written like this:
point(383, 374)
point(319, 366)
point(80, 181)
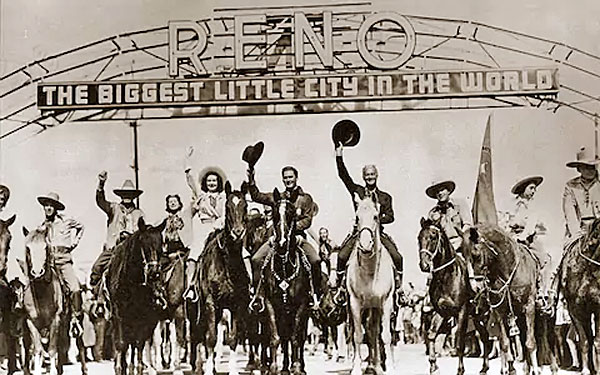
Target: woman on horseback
point(208, 213)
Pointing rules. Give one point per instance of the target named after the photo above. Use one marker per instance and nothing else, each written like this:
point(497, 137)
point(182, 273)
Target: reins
point(438, 247)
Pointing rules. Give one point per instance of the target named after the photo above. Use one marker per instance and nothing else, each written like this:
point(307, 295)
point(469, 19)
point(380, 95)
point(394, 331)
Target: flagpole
point(596, 135)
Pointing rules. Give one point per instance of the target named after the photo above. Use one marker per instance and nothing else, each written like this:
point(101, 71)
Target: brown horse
point(133, 284)
point(450, 293)
point(223, 283)
point(285, 286)
point(510, 274)
point(581, 288)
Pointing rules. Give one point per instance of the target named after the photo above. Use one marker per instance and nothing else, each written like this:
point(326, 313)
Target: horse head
point(5, 238)
point(479, 254)
point(148, 240)
point(38, 257)
point(433, 244)
point(367, 221)
point(284, 220)
point(235, 212)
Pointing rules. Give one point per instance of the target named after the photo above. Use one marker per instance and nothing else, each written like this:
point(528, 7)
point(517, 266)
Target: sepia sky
point(411, 149)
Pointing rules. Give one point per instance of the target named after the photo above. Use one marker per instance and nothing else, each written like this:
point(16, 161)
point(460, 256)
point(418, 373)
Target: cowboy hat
point(584, 157)
point(51, 199)
point(345, 132)
point(128, 190)
point(212, 170)
point(5, 190)
point(253, 153)
point(435, 188)
point(520, 186)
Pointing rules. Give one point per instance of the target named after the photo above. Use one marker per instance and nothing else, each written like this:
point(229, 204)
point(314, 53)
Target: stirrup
point(76, 328)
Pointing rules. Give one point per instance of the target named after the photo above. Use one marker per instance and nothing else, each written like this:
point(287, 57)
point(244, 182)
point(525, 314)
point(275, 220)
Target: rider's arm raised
point(101, 201)
point(343, 172)
point(255, 194)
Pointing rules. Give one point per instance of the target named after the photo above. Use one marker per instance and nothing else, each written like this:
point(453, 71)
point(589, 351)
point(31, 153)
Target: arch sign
point(303, 58)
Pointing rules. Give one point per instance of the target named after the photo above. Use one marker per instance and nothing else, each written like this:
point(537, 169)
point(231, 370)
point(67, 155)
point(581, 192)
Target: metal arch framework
point(441, 44)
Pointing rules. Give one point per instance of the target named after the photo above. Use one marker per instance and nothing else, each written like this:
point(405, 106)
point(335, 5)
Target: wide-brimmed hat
point(51, 199)
point(212, 170)
point(345, 132)
point(128, 190)
point(584, 157)
point(520, 186)
point(251, 154)
point(435, 188)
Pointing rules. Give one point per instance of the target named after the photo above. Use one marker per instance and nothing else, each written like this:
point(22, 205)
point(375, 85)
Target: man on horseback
point(386, 216)
point(304, 206)
point(448, 212)
point(64, 234)
point(122, 221)
point(4, 196)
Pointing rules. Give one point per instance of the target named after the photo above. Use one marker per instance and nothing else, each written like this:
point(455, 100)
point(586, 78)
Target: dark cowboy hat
point(584, 157)
point(435, 188)
point(345, 132)
point(128, 190)
point(253, 153)
point(51, 199)
point(520, 186)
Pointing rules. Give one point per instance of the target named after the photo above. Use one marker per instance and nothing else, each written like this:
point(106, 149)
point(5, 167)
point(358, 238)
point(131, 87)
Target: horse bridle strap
point(360, 246)
point(581, 254)
point(438, 246)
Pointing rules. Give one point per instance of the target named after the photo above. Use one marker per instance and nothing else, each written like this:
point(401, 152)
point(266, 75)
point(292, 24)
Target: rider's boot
point(76, 314)
point(190, 292)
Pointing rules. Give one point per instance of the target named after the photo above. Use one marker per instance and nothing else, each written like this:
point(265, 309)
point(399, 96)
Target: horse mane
point(491, 233)
point(37, 234)
point(118, 262)
point(594, 234)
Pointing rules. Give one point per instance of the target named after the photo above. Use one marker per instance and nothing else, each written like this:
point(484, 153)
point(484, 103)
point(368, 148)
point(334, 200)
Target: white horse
point(370, 285)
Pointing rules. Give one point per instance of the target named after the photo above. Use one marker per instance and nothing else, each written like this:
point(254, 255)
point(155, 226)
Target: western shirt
point(581, 204)
point(120, 218)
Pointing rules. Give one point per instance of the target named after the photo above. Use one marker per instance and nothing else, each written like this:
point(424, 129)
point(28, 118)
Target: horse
point(223, 282)
point(370, 285)
point(286, 276)
point(46, 307)
point(581, 288)
point(8, 315)
point(332, 313)
point(510, 274)
point(170, 333)
point(450, 294)
point(133, 278)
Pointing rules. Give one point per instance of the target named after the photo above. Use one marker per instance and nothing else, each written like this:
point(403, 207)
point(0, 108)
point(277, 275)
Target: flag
point(484, 207)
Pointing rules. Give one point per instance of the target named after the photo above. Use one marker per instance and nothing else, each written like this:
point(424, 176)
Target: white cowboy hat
point(212, 170)
point(128, 190)
point(520, 186)
point(435, 188)
point(584, 157)
point(51, 199)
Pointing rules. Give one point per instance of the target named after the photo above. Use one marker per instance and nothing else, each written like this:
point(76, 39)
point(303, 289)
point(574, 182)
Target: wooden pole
point(136, 167)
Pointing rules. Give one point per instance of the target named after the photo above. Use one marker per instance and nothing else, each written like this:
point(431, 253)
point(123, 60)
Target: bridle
point(367, 252)
point(438, 247)
point(148, 265)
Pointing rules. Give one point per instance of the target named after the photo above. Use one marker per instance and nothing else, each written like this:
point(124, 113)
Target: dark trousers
point(258, 259)
point(348, 245)
point(100, 265)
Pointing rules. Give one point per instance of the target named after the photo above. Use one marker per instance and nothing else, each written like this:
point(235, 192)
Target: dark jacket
point(304, 203)
point(386, 214)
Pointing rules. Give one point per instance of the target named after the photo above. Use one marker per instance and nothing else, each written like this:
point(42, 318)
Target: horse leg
point(487, 345)
point(461, 332)
point(355, 310)
point(176, 338)
point(210, 339)
point(374, 327)
point(432, 333)
point(507, 357)
point(273, 336)
point(82, 356)
point(298, 340)
point(530, 343)
point(233, 341)
point(386, 335)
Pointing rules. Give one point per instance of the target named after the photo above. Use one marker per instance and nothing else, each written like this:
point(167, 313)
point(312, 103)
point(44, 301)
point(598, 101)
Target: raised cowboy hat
point(5, 190)
point(128, 190)
point(253, 153)
point(345, 132)
point(212, 170)
point(520, 186)
point(435, 188)
point(51, 199)
point(584, 157)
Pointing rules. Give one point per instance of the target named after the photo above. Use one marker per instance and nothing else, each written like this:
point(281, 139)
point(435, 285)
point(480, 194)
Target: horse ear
point(141, 224)
point(276, 195)
point(423, 222)
point(162, 226)
point(11, 220)
point(227, 188)
point(473, 235)
point(25, 231)
point(244, 188)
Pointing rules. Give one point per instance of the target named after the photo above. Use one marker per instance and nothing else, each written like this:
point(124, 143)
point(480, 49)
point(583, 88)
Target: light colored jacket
point(522, 223)
point(120, 218)
point(581, 204)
